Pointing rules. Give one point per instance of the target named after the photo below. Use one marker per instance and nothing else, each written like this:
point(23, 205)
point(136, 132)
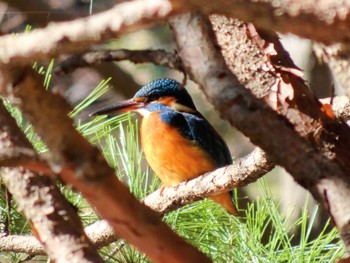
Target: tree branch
point(337, 57)
point(43, 204)
point(55, 39)
point(298, 17)
point(99, 233)
point(241, 173)
point(277, 80)
point(158, 57)
point(82, 166)
point(265, 128)
point(320, 21)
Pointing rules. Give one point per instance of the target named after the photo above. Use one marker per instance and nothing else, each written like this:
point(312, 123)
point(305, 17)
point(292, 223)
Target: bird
point(178, 142)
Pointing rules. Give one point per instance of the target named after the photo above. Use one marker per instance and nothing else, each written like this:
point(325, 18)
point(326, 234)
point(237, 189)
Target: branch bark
point(99, 233)
point(157, 57)
point(337, 57)
point(277, 80)
point(241, 173)
point(55, 39)
point(82, 166)
point(265, 128)
point(43, 204)
point(319, 22)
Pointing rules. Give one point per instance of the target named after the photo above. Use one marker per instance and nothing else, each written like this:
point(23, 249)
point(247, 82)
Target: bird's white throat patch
point(143, 112)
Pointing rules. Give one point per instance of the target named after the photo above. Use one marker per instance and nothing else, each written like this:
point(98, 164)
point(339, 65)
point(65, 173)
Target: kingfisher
point(178, 142)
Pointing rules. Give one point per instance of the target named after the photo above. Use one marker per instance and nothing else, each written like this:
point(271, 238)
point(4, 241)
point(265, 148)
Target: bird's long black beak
point(123, 106)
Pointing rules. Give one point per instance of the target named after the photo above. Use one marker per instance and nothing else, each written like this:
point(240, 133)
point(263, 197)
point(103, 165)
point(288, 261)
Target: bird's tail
point(226, 201)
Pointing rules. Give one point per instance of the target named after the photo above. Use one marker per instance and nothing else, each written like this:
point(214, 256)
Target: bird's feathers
point(181, 146)
point(178, 142)
point(198, 130)
point(172, 156)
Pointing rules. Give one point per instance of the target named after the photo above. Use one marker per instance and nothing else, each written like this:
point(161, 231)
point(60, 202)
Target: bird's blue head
point(156, 94)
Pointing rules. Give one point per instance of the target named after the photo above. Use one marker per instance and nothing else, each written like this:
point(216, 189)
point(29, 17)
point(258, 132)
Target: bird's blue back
point(194, 127)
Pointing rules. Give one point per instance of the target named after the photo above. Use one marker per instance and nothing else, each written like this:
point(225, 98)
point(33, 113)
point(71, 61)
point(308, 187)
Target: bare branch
point(21, 244)
point(263, 126)
point(321, 21)
point(67, 37)
point(99, 233)
point(277, 80)
point(241, 173)
point(158, 57)
point(43, 204)
point(84, 167)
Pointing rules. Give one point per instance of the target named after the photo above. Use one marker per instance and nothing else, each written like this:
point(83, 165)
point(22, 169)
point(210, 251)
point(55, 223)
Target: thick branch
point(78, 35)
point(43, 204)
point(83, 166)
point(265, 128)
point(158, 57)
point(277, 80)
point(21, 244)
point(318, 20)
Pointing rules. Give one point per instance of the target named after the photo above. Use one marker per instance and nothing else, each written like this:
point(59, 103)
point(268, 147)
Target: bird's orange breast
point(172, 157)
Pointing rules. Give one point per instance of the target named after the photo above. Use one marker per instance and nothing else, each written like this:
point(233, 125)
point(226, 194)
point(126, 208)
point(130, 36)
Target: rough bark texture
point(56, 40)
point(81, 165)
point(337, 57)
point(324, 20)
point(54, 219)
point(99, 233)
point(241, 173)
point(158, 57)
point(320, 22)
point(265, 128)
point(278, 81)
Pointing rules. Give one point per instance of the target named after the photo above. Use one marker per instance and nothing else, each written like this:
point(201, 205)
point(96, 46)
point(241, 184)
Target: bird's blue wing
point(196, 128)
point(208, 138)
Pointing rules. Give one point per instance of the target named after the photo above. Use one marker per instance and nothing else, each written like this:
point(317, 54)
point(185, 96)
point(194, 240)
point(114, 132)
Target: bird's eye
point(151, 98)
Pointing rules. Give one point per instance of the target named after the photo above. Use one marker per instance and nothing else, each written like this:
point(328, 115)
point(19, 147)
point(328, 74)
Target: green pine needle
point(263, 234)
